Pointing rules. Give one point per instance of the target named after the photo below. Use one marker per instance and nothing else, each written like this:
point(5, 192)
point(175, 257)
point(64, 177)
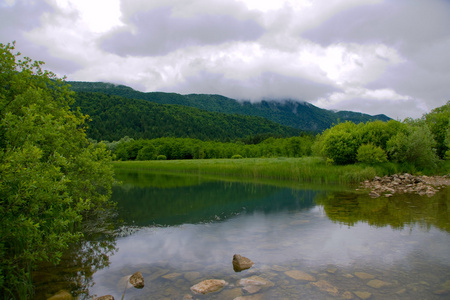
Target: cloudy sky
point(372, 56)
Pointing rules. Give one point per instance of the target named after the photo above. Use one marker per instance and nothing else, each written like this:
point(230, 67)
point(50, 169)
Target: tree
point(438, 120)
point(51, 176)
point(414, 145)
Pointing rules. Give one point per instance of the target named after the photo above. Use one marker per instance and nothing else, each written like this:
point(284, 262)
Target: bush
point(161, 157)
point(370, 154)
point(236, 156)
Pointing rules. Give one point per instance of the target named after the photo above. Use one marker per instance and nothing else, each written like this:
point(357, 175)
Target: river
point(178, 230)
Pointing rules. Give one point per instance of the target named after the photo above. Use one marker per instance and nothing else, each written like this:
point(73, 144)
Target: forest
point(287, 112)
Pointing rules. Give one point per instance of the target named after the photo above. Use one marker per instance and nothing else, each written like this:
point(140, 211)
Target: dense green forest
point(300, 115)
point(416, 144)
point(114, 117)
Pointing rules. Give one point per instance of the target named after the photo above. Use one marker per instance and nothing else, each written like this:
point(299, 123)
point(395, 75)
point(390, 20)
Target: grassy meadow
point(305, 169)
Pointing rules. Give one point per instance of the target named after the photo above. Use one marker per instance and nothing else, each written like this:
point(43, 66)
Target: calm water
point(180, 230)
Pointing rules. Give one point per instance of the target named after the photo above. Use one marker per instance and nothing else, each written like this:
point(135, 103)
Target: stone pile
point(405, 183)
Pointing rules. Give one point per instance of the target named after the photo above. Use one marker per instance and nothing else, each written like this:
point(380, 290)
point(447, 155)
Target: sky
point(387, 57)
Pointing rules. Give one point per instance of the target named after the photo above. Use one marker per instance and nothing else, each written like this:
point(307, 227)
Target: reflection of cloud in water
point(277, 238)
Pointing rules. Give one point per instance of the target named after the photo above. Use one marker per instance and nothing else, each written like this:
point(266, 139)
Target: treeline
point(421, 142)
point(300, 115)
point(114, 117)
point(187, 148)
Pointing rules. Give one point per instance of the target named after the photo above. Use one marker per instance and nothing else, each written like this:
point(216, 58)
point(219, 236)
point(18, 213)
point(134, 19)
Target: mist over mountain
point(287, 112)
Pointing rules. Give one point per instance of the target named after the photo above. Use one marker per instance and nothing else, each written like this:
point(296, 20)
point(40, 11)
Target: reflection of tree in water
point(399, 211)
point(75, 271)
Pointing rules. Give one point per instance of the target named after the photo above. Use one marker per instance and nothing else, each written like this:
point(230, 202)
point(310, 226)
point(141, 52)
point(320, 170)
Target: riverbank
point(304, 169)
point(405, 183)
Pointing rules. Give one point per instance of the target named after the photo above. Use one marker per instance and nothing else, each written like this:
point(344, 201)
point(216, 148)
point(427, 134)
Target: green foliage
point(300, 115)
point(51, 177)
point(339, 143)
point(438, 120)
point(114, 117)
point(187, 148)
point(236, 156)
point(370, 154)
point(414, 145)
point(161, 157)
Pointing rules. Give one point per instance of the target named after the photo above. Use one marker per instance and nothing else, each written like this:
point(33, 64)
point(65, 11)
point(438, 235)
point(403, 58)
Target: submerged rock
point(363, 275)
point(300, 275)
point(241, 263)
point(378, 283)
point(325, 286)
point(254, 284)
point(137, 280)
point(208, 286)
point(363, 295)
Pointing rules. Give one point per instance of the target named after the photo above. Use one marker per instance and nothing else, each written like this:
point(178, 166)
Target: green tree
point(415, 145)
point(339, 143)
point(438, 120)
point(51, 176)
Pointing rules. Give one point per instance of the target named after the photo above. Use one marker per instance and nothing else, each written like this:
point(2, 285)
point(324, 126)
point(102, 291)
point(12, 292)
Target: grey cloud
point(267, 85)
point(404, 24)
point(22, 17)
point(19, 18)
point(158, 33)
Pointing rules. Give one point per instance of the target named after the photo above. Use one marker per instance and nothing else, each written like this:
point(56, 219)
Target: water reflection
point(179, 230)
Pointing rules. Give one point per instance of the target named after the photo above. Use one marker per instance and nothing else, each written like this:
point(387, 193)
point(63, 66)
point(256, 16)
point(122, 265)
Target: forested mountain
point(301, 115)
point(114, 117)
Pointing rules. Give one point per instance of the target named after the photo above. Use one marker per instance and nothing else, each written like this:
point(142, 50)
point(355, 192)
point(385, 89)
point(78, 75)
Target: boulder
point(208, 286)
point(241, 263)
point(137, 280)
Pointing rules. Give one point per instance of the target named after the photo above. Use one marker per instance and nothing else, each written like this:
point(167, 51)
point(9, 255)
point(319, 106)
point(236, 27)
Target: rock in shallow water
point(300, 275)
point(137, 280)
point(241, 263)
point(325, 286)
point(208, 286)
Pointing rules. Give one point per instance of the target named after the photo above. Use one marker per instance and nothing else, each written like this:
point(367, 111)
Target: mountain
point(301, 115)
point(114, 117)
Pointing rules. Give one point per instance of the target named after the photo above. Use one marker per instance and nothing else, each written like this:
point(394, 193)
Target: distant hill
point(114, 117)
point(301, 115)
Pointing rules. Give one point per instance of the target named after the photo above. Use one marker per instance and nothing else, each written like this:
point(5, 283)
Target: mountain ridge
point(297, 114)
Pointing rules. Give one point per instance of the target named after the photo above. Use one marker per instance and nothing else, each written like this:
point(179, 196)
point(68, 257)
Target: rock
point(137, 280)
point(107, 297)
point(332, 270)
point(374, 194)
point(191, 276)
point(255, 281)
point(231, 294)
point(172, 276)
point(300, 275)
point(241, 263)
point(61, 295)
point(378, 283)
point(363, 295)
point(325, 286)
point(347, 295)
point(208, 286)
point(362, 275)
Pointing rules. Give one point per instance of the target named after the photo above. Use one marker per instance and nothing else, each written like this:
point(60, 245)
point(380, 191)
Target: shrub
point(236, 156)
point(370, 154)
point(161, 157)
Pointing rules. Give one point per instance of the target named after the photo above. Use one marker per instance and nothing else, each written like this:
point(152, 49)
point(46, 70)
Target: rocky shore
point(405, 183)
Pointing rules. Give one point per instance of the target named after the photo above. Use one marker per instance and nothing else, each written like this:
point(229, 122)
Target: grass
point(305, 169)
